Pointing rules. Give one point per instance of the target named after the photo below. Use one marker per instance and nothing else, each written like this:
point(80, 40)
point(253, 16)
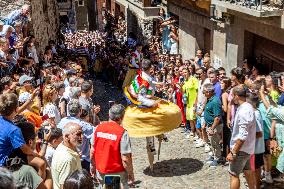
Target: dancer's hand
point(156, 104)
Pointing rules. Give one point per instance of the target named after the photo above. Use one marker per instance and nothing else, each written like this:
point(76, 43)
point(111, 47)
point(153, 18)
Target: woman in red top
point(177, 80)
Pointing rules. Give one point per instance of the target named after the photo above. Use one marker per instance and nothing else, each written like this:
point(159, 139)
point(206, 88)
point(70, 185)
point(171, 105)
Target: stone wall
point(45, 21)
point(44, 18)
point(141, 27)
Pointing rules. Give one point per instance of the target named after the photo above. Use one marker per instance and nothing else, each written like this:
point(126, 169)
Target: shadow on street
point(174, 167)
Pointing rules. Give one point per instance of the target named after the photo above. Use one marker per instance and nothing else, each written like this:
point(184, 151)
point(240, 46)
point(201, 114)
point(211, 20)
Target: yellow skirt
point(144, 122)
point(130, 75)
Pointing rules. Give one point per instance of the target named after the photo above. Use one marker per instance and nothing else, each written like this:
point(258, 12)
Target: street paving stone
point(181, 165)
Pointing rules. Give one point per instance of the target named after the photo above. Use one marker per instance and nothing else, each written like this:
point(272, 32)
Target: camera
point(41, 132)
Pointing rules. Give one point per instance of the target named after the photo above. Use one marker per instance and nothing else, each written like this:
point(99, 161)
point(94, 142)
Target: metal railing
point(260, 5)
point(148, 3)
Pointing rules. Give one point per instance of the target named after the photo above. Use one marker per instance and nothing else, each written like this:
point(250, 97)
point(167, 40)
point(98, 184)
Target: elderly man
point(75, 109)
point(243, 139)
point(66, 159)
point(212, 116)
point(110, 149)
point(20, 15)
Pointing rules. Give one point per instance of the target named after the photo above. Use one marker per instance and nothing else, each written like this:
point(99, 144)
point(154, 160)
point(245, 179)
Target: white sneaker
point(200, 144)
point(195, 138)
point(207, 148)
point(198, 141)
point(268, 179)
point(210, 153)
point(187, 136)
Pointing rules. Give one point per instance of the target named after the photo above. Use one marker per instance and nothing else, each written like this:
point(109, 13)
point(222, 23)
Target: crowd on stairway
point(51, 135)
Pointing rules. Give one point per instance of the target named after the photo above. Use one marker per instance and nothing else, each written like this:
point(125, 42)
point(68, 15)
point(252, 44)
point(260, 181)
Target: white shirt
point(201, 98)
point(64, 162)
point(52, 111)
point(49, 154)
point(244, 128)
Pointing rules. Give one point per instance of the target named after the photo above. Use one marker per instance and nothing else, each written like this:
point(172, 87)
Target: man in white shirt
point(243, 139)
point(66, 159)
point(201, 102)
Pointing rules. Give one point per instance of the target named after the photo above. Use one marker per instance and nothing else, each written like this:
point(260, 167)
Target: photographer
point(29, 171)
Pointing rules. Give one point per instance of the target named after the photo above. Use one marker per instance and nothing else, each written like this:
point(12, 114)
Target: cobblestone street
point(181, 165)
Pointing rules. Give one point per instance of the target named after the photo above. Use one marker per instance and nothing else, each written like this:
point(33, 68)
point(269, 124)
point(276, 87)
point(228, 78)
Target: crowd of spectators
point(48, 118)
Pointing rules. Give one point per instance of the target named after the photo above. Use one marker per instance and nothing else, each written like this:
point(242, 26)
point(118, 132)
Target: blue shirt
point(200, 62)
point(15, 16)
point(218, 90)
point(281, 100)
point(266, 120)
point(11, 138)
point(88, 131)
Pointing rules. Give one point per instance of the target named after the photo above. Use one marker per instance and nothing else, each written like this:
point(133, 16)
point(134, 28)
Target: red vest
point(107, 148)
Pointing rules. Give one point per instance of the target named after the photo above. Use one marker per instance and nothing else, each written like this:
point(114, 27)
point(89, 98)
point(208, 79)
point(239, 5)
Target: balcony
point(148, 3)
point(143, 8)
point(250, 8)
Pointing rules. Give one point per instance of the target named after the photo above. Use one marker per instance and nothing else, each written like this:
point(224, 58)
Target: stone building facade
point(78, 14)
point(231, 32)
point(45, 21)
point(139, 15)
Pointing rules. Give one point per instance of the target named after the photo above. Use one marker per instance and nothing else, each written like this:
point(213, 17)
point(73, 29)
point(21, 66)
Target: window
point(81, 3)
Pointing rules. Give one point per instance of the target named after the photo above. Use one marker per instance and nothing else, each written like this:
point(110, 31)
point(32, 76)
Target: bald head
point(25, 9)
point(70, 128)
point(72, 135)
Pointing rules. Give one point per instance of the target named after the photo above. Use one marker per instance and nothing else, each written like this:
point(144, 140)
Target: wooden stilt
point(150, 158)
point(160, 138)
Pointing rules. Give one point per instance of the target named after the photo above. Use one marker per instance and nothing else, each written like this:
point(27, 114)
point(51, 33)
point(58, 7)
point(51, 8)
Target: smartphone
point(181, 79)
point(111, 103)
point(112, 182)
